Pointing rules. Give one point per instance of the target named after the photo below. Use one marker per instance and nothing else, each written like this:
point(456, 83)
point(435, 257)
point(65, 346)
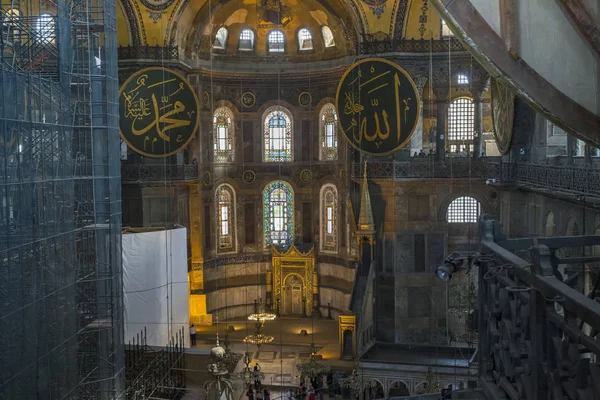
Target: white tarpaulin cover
point(155, 284)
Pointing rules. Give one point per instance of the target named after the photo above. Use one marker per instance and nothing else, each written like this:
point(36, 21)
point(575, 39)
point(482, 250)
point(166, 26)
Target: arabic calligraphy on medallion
point(378, 106)
point(503, 113)
point(158, 112)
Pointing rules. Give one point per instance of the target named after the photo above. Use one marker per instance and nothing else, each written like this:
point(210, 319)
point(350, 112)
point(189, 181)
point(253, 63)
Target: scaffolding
point(61, 317)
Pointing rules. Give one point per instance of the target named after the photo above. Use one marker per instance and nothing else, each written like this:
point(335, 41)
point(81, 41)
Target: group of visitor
point(258, 393)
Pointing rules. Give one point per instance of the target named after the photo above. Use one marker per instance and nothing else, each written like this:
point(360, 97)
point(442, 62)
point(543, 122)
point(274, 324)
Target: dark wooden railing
point(538, 336)
point(562, 178)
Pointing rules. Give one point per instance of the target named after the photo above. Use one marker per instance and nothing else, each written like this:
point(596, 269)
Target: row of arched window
point(277, 135)
point(278, 132)
point(275, 40)
point(278, 216)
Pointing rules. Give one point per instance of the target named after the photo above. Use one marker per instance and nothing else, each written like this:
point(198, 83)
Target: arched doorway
point(292, 295)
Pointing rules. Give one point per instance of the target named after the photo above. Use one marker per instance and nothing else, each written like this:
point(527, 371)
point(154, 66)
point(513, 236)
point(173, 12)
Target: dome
point(264, 30)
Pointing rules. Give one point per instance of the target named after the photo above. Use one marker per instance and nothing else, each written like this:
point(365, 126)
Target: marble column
point(441, 94)
point(440, 137)
point(588, 154)
point(416, 142)
point(478, 122)
point(571, 143)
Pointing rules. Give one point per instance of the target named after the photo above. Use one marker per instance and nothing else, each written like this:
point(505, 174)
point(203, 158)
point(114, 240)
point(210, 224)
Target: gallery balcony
point(158, 173)
point(575, 180)
point(428, 168)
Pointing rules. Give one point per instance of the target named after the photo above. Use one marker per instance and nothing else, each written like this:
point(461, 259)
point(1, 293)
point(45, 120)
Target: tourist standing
point(192, 335)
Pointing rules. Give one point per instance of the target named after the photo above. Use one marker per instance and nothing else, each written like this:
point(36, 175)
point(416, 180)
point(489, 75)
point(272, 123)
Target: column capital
point(478, 92)
point(420, 82)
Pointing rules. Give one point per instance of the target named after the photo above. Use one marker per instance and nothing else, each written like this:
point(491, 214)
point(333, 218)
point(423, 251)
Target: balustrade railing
point(562, 178)
point(538, 336)
point(158, 173)
point(426, 167)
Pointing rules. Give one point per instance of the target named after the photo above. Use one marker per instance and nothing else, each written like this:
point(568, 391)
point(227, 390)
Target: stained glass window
point(220, 38)
point(304, 39)
point(461, 124)
point(277, 135)
point(328, 129)
point(276, 41)
point(278, 208)
point(463, 210)
point(225, 200)
point(223, 135)
point(328, 36)
point(329, 215)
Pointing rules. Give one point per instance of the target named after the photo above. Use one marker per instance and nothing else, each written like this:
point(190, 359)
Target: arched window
point(329, 217)
point(328, 129)
point(549, 227)
point(461, 118)
point(278, 208)
point(277, 135)
point(276, 41)
point(462, 79)
point(45, 28)
point(246, 40)
point(223, 135)
point(304, 39)
point(225, 200)
point(446, 32)
point(221, 38)
point(327, 36)
point(463, 210)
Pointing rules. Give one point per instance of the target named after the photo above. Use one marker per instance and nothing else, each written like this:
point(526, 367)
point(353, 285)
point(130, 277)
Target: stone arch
point(549, 225)
point(572, 227)
point(398, 388)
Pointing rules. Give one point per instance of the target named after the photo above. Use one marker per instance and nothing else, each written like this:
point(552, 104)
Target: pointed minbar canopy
point(366, 224)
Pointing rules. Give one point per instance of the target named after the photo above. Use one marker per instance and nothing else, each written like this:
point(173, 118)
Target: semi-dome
point(262, 30)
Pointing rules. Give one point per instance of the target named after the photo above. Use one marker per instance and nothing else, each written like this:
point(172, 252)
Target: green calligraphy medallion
point(378, 106)
point(158, 112)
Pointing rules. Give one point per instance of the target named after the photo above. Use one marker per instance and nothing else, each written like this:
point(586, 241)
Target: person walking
point(257, 382)
point(192, 335)
point(250, 393)
point(267, 395)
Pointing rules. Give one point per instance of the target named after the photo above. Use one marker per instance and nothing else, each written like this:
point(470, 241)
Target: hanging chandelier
point(247, 375)
point(356, 382)
point(258, 339)
point(312, 368)
point(230, 359)
point(220, 383)
point(261, 315)
point(431, 385)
